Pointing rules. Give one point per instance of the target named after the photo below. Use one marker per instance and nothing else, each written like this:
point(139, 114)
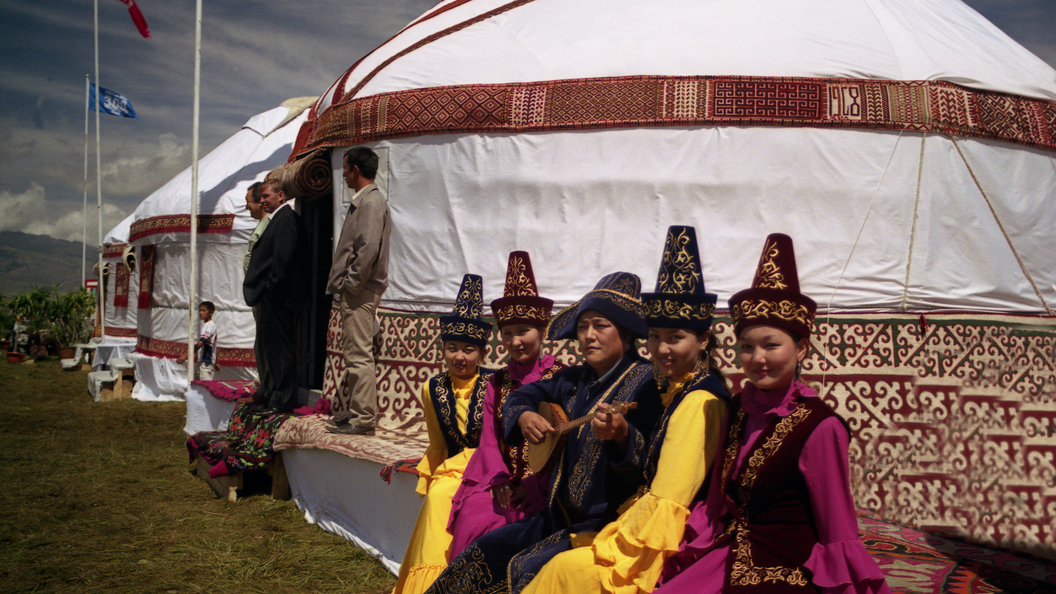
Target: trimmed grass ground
point(98, 497)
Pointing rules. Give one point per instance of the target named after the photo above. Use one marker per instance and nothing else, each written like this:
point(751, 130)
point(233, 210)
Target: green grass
point(98, 497)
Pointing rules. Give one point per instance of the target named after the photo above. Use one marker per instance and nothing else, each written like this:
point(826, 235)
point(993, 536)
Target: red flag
point(137, 17)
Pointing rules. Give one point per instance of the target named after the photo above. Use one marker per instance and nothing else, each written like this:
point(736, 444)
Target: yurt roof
point(224, 175)
point(496, 41)
point(908, 146)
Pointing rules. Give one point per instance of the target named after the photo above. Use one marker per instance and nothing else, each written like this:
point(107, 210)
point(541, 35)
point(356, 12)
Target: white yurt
point(907, 146)
point(122, 285)
point(160, 232)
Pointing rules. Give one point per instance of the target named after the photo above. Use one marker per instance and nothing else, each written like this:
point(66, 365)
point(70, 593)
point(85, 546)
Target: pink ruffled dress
point(838, 563)
point(474, 511)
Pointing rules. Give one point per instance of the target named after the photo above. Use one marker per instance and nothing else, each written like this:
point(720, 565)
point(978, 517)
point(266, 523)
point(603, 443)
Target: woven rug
point(386, 446)
point(916, 562)
point(226, 391)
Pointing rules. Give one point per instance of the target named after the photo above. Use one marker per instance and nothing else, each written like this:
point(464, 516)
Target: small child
point(207, 366)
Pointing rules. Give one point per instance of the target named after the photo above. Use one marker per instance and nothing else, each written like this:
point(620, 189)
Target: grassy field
point(98, 497)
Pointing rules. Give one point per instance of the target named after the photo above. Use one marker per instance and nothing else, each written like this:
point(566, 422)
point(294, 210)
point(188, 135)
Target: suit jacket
point(279, 263)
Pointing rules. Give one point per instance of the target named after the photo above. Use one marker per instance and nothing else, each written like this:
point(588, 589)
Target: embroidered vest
point(516, 457)
point(705, 380)
point(443, 396)
point(770, 518)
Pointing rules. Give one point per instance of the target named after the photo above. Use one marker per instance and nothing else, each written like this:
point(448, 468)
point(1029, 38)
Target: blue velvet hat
point(466, 322)
point(680, 300)
point(617, 296)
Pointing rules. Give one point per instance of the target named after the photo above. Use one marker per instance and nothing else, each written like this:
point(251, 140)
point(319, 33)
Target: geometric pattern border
point(173, 349)
point(952, 416)
point(180, 223)
point(650, 101)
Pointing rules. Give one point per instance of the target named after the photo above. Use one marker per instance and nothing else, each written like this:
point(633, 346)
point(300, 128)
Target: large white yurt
point(160, 232)
point(907, 146)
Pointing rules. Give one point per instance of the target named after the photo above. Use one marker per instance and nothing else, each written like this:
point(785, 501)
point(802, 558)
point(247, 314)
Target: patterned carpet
point(916, 562)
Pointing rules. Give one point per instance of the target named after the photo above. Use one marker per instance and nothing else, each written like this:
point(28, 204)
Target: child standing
point(205, 348)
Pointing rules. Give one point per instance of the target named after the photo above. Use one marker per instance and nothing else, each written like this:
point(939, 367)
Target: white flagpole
point(192, 295)
point(84, 211)
point(99, 183)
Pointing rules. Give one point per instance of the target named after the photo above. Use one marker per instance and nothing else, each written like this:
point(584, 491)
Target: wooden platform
point(227, 487)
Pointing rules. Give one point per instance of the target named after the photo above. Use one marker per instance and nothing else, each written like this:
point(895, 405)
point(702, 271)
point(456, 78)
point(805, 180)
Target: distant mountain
point(39, 260)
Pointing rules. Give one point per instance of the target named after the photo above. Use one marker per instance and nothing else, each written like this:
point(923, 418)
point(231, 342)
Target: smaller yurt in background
point(160, 232)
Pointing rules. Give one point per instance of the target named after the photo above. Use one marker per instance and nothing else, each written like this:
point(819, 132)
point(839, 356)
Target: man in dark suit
point(277, 283)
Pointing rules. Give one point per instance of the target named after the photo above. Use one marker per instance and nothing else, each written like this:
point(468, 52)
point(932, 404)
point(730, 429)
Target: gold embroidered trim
point(678, 270)
point(470, 301)
point(769, 274)
point(744, 572)
point(785, 310)
point(673, 308)
point(518, 283)
point(530, 312)
point(466, 329)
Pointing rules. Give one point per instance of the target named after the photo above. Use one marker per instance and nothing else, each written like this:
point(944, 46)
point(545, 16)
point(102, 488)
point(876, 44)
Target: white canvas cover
point(881, 219)
point(224, 175)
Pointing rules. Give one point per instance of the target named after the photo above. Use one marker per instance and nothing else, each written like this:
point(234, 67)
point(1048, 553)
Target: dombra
point(543, 456)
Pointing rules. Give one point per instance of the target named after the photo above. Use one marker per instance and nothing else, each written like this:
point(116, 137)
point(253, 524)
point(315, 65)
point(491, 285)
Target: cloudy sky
point(255, 55)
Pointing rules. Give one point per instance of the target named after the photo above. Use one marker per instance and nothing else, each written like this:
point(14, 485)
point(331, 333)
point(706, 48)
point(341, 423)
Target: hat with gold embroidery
point(679, 300)
point(617, 296)
point(520, 302)
point(466, 322)
point(774, 298)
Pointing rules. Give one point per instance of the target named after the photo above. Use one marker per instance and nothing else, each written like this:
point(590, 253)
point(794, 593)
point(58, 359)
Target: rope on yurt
point(861, 229)
point(913, 229)
point(1001, 226)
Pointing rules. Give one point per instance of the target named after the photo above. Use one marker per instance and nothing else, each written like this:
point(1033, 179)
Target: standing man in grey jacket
point(360, 274)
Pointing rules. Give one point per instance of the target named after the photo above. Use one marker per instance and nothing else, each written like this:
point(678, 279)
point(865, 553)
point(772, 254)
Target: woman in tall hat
point(587, 485)
point(628, 554)
point(785, 521)
point(498, 487)
point(454, 406)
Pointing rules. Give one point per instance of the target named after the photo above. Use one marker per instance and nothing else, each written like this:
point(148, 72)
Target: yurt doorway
point(319, 218)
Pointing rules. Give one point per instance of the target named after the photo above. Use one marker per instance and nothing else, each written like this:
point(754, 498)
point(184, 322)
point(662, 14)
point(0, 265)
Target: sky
point(255, 55)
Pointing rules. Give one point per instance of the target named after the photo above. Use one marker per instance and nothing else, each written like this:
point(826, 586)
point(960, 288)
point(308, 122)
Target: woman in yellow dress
point(627, 556)
point(453, 402)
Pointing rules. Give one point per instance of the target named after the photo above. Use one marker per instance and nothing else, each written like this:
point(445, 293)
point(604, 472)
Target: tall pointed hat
point(520, 302)
point(466, 322)
point(774, 298)
point(617, 296)
point(680, 300)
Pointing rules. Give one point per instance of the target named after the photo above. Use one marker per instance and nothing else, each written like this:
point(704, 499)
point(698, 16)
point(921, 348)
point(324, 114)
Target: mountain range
point(28, 261)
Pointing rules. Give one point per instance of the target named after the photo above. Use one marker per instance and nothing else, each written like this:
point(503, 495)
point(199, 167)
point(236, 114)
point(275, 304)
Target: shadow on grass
point(97, 497)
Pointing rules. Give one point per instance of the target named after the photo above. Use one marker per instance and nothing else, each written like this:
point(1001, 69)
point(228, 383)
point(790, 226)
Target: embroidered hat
point(617, 296)
point(466, 322)
point(679, 300)
point(520, 302)
point(774, 298)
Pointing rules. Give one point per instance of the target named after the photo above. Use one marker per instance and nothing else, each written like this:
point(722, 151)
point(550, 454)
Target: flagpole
point(192, 310)
point(84, 211)
point(99, 184)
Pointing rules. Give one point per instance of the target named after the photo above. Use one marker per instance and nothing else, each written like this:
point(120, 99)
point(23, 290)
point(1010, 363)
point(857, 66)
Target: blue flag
point(113, 103)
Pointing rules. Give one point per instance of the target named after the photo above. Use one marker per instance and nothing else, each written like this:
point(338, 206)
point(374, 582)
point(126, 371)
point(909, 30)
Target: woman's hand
point(534, 427)
point(607, 425)
point(508, 494)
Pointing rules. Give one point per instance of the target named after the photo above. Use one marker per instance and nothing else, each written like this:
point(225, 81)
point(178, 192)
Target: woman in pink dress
point(778, 515)
point(498, 488)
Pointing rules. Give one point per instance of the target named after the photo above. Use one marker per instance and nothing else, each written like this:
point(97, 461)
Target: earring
point(799, 368)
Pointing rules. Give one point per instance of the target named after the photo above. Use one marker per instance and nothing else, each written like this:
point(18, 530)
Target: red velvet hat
point(520, 302)
point(774, 298)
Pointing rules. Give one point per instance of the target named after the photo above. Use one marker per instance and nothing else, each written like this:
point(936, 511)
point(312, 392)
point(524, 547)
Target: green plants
point(67, 317)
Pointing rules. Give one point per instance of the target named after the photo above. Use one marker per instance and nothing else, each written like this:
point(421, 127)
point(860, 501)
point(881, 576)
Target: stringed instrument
point(543, 456)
